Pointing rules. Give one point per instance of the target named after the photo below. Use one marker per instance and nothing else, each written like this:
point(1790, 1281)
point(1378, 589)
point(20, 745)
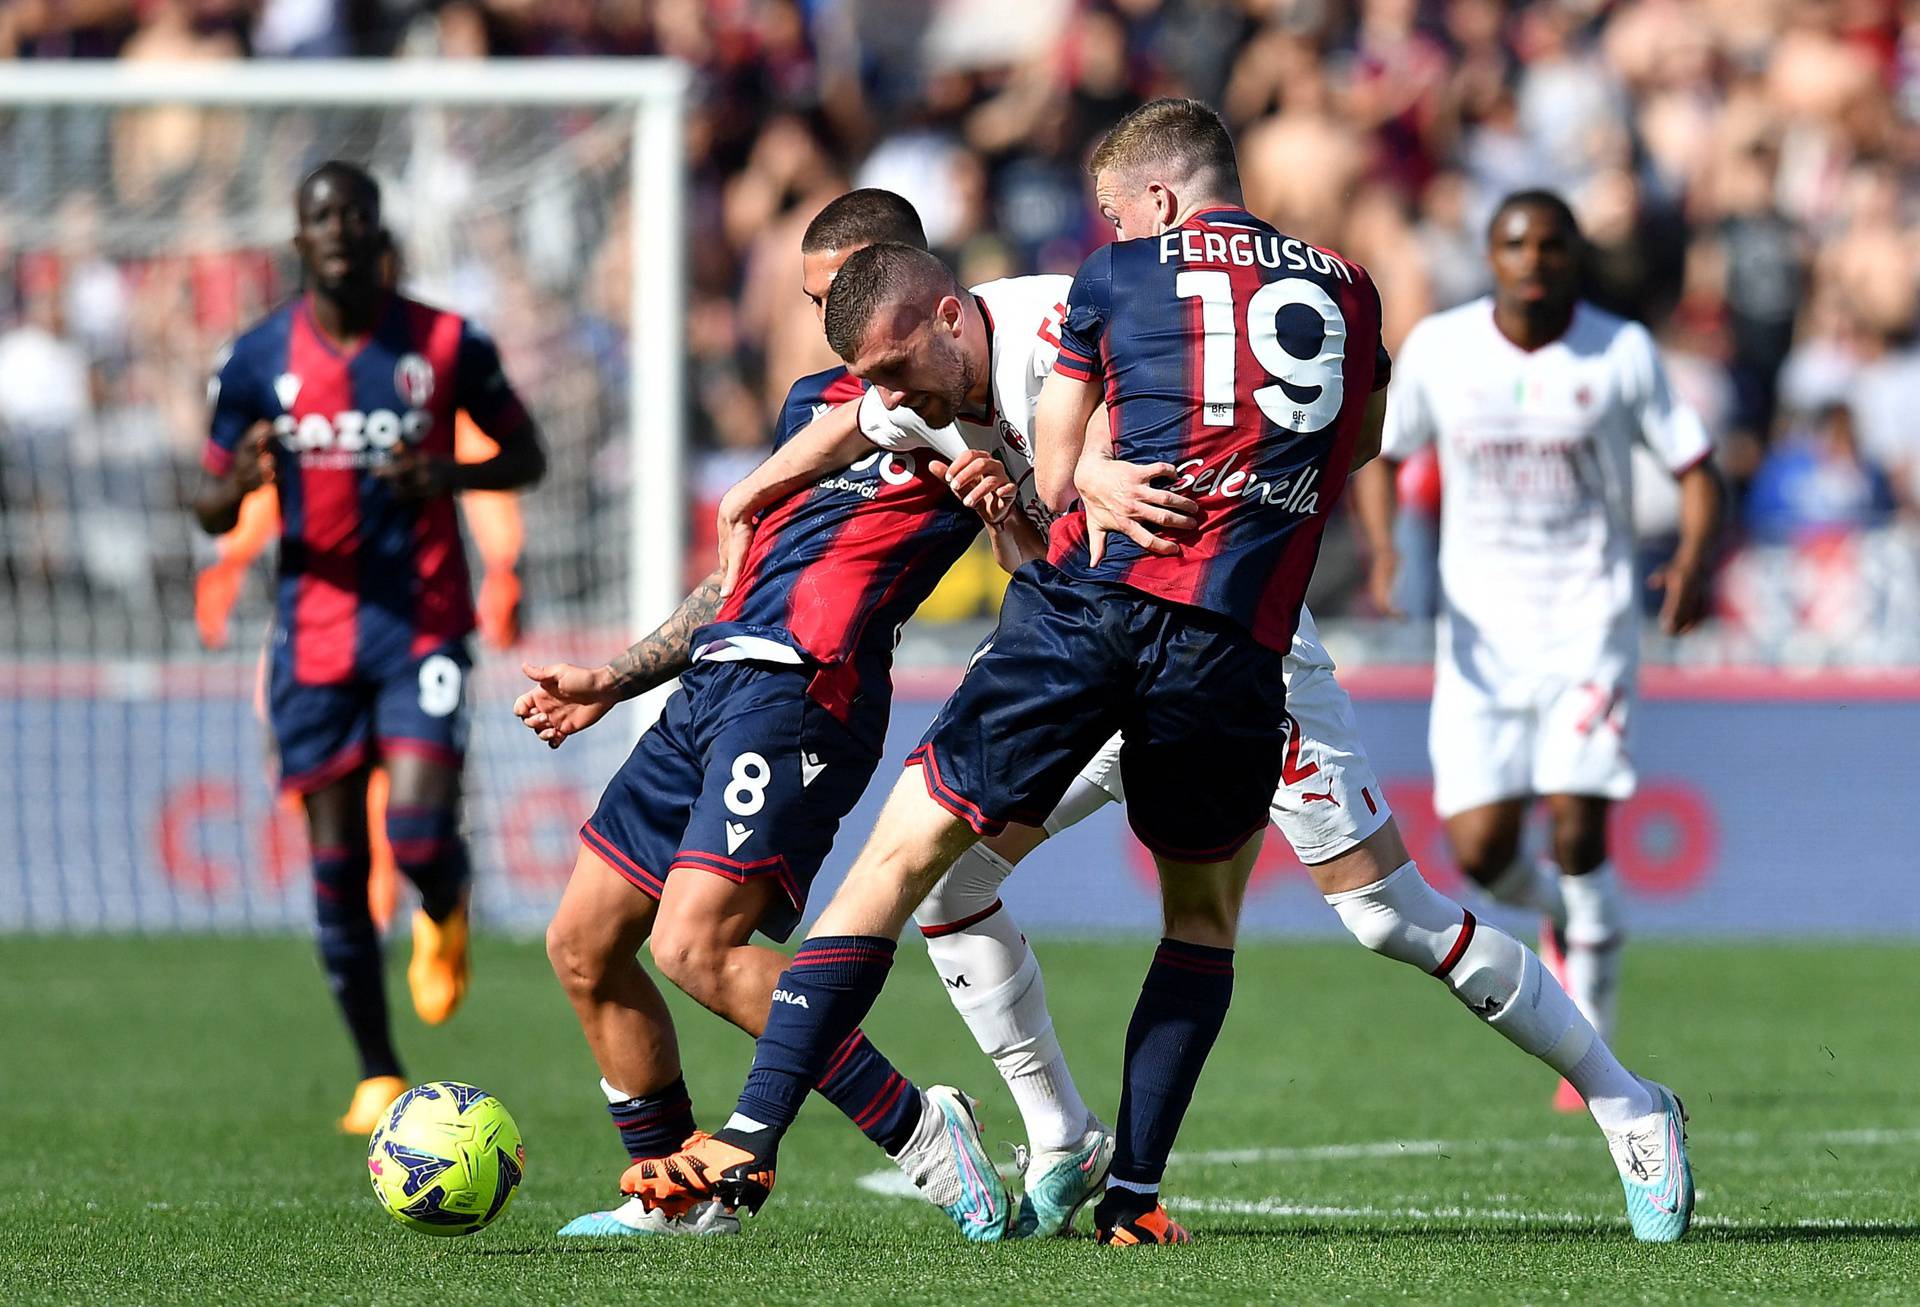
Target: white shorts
point(1564, 737)
point(1329, 800)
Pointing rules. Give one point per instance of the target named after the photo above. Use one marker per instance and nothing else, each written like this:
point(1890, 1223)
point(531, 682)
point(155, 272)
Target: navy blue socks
point(1182, 1005)
point(350, 952)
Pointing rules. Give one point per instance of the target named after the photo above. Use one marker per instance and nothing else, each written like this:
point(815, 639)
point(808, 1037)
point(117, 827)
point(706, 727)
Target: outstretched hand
point(564, 700)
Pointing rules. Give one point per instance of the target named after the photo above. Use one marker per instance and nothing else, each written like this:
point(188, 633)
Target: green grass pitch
point(165, 1113)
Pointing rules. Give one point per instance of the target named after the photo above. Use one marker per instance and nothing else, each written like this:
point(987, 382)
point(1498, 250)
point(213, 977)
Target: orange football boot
point(1154, 1227)
point(703, 1169)
point(439, 970)
point(371, 1099)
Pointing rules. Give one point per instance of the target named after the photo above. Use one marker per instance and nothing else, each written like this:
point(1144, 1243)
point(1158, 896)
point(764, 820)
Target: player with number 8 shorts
point(718, 822)
point(345, 399)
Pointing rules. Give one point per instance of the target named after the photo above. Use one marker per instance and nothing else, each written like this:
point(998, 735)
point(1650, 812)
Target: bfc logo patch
point(413, 378)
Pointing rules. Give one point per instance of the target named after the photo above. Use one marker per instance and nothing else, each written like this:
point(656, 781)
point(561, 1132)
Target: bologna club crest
point(413, 378)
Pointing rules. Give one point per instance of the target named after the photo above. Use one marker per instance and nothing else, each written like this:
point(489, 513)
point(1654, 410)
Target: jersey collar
point(993, 350)
point(339, 350)
point(1227, 213)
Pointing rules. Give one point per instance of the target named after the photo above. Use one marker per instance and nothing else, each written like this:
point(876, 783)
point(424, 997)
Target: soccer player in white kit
point(1330, 807)
point(1534, 400)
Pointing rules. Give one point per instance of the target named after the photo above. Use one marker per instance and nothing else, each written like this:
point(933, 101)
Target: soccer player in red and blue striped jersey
point(344, 399)
point(718, 822)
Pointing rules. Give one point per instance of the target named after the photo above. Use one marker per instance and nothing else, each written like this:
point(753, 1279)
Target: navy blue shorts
point(743, 776)
point(323, 732)
point(1201, 704)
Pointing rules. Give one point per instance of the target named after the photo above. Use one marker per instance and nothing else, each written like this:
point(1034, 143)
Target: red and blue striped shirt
point(837, 568)
point(366, 583)
point(1244, 358)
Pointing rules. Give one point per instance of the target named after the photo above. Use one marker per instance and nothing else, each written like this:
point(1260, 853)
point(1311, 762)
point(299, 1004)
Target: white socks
point(1500, 981)
point(1595, 930)
point(1532, 884)
point(994, 981)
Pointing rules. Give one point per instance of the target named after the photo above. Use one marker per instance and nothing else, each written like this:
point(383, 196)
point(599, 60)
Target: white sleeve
point(1409, 426)
point(1671, 429)
point(899, 429)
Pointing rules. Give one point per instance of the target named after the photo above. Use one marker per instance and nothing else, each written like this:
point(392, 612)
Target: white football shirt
point(1023, 325)
point(1536, 510)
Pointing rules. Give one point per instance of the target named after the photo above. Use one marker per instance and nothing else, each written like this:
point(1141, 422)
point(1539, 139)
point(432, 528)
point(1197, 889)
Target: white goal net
point(145, 215)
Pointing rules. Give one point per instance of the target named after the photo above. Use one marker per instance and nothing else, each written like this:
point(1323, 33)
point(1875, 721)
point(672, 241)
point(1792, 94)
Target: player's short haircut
point(1186, 137)
point(864, 217)
point(877, 277)
point(1550, 201)
point(341, 171)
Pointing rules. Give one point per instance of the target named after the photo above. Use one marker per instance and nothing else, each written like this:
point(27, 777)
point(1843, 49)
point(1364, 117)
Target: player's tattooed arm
point(566, 699)
point(666, 653)
point(825, 445)
point(217, 504)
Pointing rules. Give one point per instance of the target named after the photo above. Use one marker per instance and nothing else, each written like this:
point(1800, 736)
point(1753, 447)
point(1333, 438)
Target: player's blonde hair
point(1185, 137)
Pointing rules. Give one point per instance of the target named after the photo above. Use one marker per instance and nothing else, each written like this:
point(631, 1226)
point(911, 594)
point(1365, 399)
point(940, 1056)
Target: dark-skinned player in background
point(1534, 400)
point(344, 399)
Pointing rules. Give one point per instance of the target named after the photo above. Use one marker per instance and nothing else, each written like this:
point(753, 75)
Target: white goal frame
point(656, 91)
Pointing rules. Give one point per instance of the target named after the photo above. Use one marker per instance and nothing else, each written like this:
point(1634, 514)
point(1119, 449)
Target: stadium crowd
point(1745, 171)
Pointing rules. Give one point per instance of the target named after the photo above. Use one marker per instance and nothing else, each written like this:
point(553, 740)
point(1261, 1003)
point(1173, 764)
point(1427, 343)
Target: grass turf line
point(166, 1105)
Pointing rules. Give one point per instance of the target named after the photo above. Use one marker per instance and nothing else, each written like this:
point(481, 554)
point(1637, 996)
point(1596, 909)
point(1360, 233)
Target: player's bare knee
point(692, 958)
point(578, 962)
point(1579, 845)
point(1485, 855)
point(1209, 922)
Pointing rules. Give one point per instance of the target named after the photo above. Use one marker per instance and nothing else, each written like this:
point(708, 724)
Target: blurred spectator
point(1815, 483)
point(46, 386)
point(1745, 172)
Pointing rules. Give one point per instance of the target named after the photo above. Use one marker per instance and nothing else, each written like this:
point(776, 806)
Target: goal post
point(546, 200)
point(656, 91)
